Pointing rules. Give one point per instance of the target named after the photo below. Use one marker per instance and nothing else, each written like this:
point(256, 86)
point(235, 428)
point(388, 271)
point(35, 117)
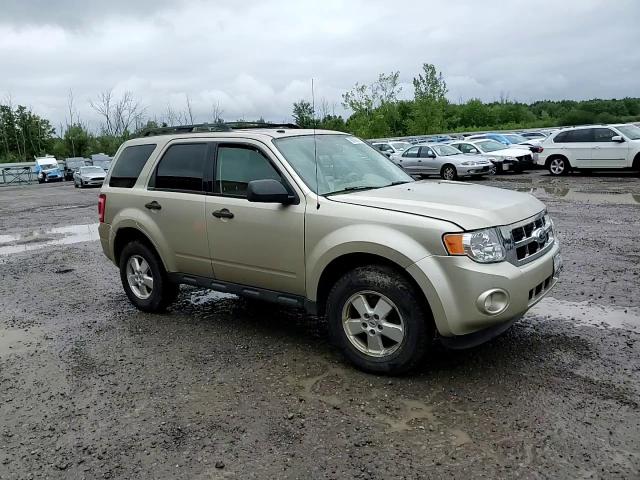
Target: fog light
point(493, 302)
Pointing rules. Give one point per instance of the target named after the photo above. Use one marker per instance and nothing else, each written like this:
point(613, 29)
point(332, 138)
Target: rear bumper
point(453, 286)
point(106, 240)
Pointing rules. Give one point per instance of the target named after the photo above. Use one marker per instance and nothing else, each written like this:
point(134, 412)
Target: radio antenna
point(315, 144)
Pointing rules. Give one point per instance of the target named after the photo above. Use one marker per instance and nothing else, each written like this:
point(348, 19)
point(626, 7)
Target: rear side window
point(181, 168)
point(130, 164)
point(237, 166)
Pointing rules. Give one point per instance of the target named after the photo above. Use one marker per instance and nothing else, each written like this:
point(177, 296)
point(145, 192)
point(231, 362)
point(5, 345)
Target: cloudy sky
point(255, 58)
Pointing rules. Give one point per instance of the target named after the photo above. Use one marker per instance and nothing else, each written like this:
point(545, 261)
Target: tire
point(75, 184)
point(558, 166)
point(369, 349)
point(493, 170)
point(449, 172)
point(162, 292)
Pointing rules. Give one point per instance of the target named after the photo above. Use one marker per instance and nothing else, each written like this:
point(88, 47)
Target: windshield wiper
point(356, 188)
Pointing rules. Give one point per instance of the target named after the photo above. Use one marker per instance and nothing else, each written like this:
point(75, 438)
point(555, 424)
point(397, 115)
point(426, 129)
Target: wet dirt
point(220, 387)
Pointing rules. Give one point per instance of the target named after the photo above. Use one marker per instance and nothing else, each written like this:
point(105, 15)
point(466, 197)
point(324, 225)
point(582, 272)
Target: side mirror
point(431, 155)
point(474, 151)
point(617, 138)
point(268, 191)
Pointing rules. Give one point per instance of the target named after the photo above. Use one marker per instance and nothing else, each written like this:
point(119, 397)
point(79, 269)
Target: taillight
point(102, 203)
point(541, 150)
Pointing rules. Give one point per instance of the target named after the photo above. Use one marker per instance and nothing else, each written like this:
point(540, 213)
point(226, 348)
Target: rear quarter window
point(129, 165)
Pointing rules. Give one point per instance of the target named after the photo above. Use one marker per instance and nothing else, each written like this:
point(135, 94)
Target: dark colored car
point(72, 165)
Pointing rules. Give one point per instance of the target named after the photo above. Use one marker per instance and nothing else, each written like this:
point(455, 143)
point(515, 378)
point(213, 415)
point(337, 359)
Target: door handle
point(224, 213)
point(153, 206)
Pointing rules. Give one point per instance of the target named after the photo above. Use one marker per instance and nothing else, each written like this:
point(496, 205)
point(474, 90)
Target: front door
point(254, 244)
point(409, 160)
point(427, 161)
point(607, 153)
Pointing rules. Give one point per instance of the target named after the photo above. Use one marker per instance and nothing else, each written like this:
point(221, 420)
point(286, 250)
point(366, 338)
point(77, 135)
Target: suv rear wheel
point(558, 166)
point(378, 320)
point(144, 278)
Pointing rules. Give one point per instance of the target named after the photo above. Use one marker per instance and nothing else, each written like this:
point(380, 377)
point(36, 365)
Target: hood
point(464, 158)
point(93, 176)
point(513, 151)
point(465, 204)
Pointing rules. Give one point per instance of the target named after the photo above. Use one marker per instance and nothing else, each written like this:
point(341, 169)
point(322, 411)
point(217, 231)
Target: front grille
point(529, 239)
point(536, 292)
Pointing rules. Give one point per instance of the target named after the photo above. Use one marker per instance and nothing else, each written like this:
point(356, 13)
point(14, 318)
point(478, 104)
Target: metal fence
point(17, 173)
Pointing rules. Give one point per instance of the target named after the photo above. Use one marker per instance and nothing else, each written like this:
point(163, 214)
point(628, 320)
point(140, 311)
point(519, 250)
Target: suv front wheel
point(378, 320)
point(144, 278)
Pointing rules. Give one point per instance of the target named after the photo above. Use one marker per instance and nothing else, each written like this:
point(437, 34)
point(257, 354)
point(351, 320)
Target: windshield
point(630, 131)
point(344, 163)
point(400, 146)
point(490, 145)
point(445, 150)
point(84, 170)
point(515, 138)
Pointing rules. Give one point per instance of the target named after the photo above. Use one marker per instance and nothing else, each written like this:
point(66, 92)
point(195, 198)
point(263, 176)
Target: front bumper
point(92, 182)
point(473, 170)
point(453, 285)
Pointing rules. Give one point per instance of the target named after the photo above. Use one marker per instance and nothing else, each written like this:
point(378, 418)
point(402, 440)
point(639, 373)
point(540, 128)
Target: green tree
point(303, 114)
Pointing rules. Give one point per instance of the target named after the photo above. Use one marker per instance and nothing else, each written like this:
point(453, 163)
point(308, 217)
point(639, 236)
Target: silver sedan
point(443, 160)
point(88, 176)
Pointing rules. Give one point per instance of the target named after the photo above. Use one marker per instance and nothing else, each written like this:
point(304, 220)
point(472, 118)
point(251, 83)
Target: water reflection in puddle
point(24, 242)
point(586, 314)
point(205, 296)
point(582, 196)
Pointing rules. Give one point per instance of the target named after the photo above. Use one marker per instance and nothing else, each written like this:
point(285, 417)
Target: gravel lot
point(223, 388)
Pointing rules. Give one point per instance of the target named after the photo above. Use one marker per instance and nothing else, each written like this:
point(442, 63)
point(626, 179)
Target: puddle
point(24, 242)
point(206, 296)
point(586, 314)
point(617, 198)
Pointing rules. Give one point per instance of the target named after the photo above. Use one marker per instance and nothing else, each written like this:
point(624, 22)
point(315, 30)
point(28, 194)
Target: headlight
point(470, 162)
point(482, 246)
point(513, 159)
point(491, 159)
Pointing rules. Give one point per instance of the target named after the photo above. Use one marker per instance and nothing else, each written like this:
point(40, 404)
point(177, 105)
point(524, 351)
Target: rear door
point(174, 203)
point(254, 244)
point(607, 153)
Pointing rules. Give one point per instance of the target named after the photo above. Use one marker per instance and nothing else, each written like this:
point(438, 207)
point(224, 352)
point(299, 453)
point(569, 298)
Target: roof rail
point(211, 127)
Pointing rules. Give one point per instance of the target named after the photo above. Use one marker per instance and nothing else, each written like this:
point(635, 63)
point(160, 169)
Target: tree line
point(376, 111)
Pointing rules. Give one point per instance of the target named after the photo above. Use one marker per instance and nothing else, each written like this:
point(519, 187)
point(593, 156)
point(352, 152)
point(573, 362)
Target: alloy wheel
point(557, 166)
point(373, 324)
point(139, 277)
point(449, 173)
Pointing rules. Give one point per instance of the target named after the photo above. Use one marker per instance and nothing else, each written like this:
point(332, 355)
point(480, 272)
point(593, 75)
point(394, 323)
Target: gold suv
point(323, 221)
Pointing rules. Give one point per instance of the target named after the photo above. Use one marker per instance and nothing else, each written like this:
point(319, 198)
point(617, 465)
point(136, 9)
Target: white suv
point(593, 147)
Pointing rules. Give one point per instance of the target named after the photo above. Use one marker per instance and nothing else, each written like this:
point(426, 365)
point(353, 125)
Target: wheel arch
point(557, 155)
point(126, 235)
point(339, 266)
point(636, 162)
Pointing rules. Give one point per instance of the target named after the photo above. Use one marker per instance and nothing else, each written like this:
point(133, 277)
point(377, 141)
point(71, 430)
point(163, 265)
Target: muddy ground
point(222, 388)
